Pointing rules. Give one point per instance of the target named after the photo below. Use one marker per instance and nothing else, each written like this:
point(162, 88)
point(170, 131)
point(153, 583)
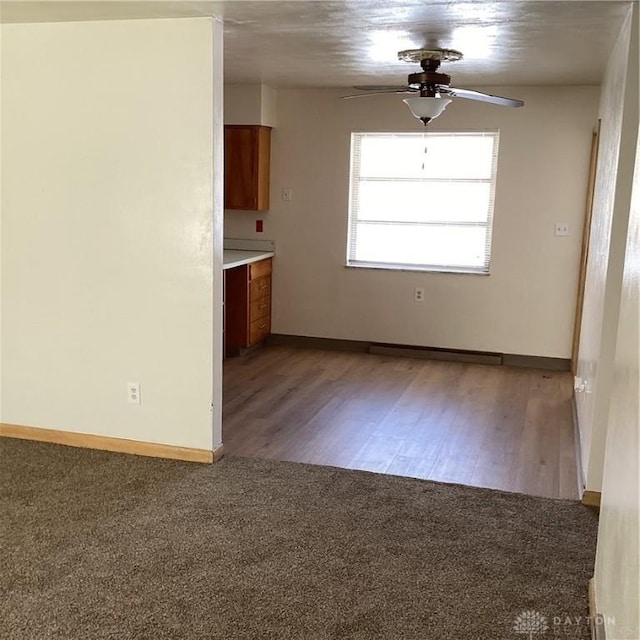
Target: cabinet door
point(236, 309)
point(240, 168)
point(247, 170)
point(264, 168)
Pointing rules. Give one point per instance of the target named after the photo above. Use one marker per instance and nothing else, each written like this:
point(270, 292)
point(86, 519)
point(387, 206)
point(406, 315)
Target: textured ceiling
point(347, 43)
point(318, 43)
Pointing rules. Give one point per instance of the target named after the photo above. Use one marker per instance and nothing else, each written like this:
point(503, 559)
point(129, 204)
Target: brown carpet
point(98, 545)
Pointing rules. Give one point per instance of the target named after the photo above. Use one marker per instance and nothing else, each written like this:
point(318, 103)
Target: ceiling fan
point(431, 88)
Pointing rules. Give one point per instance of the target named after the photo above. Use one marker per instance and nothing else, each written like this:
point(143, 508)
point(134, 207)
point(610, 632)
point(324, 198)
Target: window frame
point(484, 270)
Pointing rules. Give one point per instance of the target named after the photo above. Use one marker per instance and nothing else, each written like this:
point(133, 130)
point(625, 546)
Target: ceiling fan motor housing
point(429, 78)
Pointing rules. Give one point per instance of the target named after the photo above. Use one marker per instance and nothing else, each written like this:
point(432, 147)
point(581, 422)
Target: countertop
point(237, 257)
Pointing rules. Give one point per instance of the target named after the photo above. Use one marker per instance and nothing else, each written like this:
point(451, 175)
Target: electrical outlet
point(562, 229)
point(133, 392)
point(418, 294)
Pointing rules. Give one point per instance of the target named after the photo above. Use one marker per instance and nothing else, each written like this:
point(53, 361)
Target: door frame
point(584, 258)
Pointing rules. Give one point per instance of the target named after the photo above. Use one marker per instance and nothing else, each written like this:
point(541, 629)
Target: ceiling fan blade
point(378, 93)
point(470, 94)
point(380, 87)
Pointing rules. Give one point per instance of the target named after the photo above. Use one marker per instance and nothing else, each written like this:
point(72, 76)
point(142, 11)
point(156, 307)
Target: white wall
point(526, 305)
point(619, 113)
point(107, 260)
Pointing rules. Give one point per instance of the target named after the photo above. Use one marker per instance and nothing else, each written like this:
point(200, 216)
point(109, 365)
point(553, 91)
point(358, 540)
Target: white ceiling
point(326, 43)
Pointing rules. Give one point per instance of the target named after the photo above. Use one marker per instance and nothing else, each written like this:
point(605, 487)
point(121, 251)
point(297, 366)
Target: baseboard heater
point(426, 353)
point(432, 353)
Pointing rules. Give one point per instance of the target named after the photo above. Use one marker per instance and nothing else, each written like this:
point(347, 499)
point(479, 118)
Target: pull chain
point(424, 137)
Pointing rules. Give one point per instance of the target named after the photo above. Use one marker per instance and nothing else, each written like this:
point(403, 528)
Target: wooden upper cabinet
point(247, 156)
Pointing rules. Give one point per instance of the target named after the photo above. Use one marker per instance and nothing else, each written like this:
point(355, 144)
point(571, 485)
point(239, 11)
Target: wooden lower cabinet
point(247, 306)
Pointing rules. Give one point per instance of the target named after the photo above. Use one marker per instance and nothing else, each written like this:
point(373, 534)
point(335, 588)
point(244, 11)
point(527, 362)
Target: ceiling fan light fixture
point(425, 108)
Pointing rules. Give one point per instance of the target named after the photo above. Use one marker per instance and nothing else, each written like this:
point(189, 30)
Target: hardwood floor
point(480, 425)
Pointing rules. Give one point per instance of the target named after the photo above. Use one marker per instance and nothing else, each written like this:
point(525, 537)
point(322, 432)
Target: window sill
point(407, 268)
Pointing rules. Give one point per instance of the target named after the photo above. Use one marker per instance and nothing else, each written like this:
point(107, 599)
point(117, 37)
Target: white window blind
point(422, 201)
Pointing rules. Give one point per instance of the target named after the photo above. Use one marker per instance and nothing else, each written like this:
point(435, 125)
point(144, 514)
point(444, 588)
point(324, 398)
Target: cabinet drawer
point(260, 269)
point(259, 330)
point(260, 288)
point(259, 309)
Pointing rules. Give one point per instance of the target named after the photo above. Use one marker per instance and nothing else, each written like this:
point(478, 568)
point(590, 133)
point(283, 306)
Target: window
point(422, 201)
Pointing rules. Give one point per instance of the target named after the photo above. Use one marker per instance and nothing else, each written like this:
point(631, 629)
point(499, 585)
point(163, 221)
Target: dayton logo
point(531, 622)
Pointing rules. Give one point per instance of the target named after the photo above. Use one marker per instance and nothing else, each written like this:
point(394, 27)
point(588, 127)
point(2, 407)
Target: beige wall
point(619, 113)
point(107, 218)
point(618, 556)
point(218, 225)
point(250, 104)
point(617, 574)
point(525, 306)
